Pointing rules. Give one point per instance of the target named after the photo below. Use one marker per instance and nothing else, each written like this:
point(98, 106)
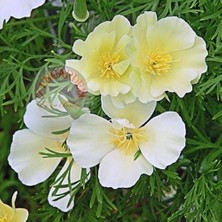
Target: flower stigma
point(157, 62)
point(128, 139)
point(106, 66)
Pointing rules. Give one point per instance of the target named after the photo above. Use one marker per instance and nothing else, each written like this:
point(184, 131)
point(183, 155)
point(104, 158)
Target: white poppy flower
point(126, 146)
point(17, 9)
point(28, 145)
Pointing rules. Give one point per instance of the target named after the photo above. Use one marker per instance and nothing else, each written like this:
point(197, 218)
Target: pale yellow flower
point(104, 63)
point(12, 214)
point(166, 55)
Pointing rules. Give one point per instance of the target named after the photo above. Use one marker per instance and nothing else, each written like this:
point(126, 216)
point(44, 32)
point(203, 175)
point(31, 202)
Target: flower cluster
point(131, 67)
point(144, 61)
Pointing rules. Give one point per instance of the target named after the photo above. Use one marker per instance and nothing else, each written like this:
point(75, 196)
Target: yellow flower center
point(158, 62)
point(128, 139)
point(106, 66)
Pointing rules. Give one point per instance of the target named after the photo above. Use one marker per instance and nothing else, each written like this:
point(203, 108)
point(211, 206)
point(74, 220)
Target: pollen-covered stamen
point(106, 66)
point(128, 139)
point(158, 62)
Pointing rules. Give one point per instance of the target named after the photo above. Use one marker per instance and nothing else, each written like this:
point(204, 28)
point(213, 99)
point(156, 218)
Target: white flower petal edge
point(74, 176)
point(17, 9)
point(118, 170)
point(25, 159)
point(136, 112)
point(89, 140)
point(166, 139)
point(35, 119)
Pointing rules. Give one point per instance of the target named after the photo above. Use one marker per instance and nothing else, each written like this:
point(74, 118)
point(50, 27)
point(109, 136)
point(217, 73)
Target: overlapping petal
point(165, 139)
point(136, 112)
point(26, 160)
point(118, 170)
point(43, 122)
point(89, 140)
point(21, 215)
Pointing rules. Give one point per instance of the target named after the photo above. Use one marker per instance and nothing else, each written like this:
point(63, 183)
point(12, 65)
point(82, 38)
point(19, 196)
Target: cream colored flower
point(17, 9)
point(26, 155)
point(127, 146)
point(166, 55)
point(12, 214)
point(104, 64)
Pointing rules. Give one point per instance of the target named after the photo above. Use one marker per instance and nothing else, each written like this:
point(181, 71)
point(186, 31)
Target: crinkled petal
point(112, 89)
point(178, 81)
point(170, 34)
point(165, 139)
point(99, 41)
point(73, 177)
point(119, 24)
point(89, 140)
point(122, 99)
point(35, 119)
point(187, 69)
point(136, 112)
point(143, 22)
point(118, 170)
point(25, 159)
point(194, 58)
point(17, 9)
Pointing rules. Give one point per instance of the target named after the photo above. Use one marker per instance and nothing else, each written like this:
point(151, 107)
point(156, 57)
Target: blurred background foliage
point(27, 46)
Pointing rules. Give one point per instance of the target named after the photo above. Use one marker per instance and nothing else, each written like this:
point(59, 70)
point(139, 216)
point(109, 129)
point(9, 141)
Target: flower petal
point(35, 119)
point(143, 22)
point(73, 177)
point(118, 170)
point(21, 214)
point(25, 159)
point(194, 58)
point(136, 112)
point(17, 9)
point(89, 140)
point(112, 89)
point(7, 211)
point(166, 139)
point(170, 34)
point(122, 99)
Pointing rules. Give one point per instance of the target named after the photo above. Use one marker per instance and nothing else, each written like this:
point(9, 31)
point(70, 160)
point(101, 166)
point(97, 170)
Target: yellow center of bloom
point(158, 62)
point(128, 139)
point(106, 66)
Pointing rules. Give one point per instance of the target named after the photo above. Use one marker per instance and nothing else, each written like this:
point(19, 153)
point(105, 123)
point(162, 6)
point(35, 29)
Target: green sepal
point(74, 111)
